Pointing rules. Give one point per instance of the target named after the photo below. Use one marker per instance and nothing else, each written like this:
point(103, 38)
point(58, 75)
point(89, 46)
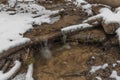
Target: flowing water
point(45, 50)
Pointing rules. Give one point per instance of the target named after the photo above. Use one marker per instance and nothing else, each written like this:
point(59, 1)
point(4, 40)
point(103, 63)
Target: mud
point(74, 61)
point(69, 58)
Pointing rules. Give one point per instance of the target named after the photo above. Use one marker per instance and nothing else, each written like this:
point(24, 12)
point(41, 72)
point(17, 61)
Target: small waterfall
point(45, 51)
point(66, 45)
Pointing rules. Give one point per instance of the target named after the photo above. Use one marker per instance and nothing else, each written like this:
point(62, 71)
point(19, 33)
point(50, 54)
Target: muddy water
point(65, 61)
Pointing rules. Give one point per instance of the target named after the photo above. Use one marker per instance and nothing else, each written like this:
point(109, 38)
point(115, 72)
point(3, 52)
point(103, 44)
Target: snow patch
point(118, 34)
point(107, 15)
point(115, 75)
point(12, 3)
point(114, 64)
point(96, 68)
point(84, 5)
point(6, 76)
point(75, 27)
point(118, 61)
point(12, 27)
point(29, 72)
point(98, 78)
point(26, 76)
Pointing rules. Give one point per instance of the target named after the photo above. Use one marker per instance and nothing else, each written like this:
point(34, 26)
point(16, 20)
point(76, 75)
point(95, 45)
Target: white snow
point(25, 0)
point(118, 34)
point(26, 76)
point(75, 27)
point(93, 57)
point(6, 76)
point(29, 72)
point(115, 75)
point(12, 27)
point(114, 64)
point(107, 15)
point(96, 68)
point(79, 2)
point(98, 78)
point(118, 61)
point(87, 9)
point(20, 77)
point(84, 5)
point(11, 3)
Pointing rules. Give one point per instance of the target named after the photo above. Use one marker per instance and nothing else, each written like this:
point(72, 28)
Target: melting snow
point(114, 64)
point(98, 78)
point(85, 6)
point(118, 61)
point(6, 76)
point(96, 68)
point(12, 27)
point(29, 72)
point(75, 27)
point(115, 75)
point(26, 76)
point(107, 15)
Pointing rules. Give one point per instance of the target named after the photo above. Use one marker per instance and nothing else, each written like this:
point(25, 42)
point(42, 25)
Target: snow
point(12, 27)
point(86, 7)
point(98, 78)
point(115, 75)
point(25, 0)
point(20, 77)
point(11, 3)
point(93, 57)
point(96, 68)
point(107, 15)
point(6, 76)
point(29, 72)
point(118, 61)
point(26, 76)
point(118, 34)
point(79, 2)
point(114, 64)
point(75, 27)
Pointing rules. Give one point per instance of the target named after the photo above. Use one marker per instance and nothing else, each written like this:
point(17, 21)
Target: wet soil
point(74, 61)
point(65, 62)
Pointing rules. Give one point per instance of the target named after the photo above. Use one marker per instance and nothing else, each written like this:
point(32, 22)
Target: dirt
point(75, 63)
point(73, 60)
point(65, 61)
point(70, 60)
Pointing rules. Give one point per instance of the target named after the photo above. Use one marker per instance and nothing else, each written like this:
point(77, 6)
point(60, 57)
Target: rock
point(93, 35)
point(111, 42)
point(96, 8)
point(112, 3)
point(110, 28)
